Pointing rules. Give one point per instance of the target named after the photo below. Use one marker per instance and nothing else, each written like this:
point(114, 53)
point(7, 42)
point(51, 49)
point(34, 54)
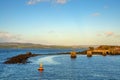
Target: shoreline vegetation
point(101, 50)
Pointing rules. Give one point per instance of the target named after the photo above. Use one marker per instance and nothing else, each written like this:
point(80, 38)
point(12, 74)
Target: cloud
point(109, 34)
point(106, 34)
point(96, 14)
point(32, 2)
point(61, 1)
point(106, 7)
point(5, 36)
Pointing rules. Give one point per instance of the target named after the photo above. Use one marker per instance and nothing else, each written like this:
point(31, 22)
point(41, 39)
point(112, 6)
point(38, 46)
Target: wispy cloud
point(96, 14)
point(32, 2)
point(106, 7)
point(61, 1)
point(5, 36)
point(109, 34)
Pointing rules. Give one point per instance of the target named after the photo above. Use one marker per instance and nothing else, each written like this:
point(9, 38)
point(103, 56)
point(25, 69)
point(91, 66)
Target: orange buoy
point(41, 68)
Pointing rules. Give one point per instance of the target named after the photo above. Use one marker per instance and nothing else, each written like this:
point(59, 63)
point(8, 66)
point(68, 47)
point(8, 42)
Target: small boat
point(41, 68)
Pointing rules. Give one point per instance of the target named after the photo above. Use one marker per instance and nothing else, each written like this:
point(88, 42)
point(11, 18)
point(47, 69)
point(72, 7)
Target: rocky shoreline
point(22, 58)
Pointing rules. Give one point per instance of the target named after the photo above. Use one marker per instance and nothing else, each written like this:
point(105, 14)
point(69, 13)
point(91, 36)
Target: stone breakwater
point(22, 58)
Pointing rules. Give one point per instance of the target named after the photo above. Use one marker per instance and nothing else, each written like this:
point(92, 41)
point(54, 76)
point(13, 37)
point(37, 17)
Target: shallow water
point(60, 67)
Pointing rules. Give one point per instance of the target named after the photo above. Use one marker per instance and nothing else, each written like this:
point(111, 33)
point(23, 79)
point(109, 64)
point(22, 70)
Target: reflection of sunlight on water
point(45, 60)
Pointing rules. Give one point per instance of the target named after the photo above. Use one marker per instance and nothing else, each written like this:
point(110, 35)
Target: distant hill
point(31, 45)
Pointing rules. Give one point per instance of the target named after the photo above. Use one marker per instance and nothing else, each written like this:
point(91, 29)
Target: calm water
point(59, 67)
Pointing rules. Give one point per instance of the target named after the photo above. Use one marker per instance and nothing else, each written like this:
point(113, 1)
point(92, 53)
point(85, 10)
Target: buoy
point(41, 68)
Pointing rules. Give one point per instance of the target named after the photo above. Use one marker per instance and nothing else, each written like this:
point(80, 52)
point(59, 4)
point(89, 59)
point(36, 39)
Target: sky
point(60, 22)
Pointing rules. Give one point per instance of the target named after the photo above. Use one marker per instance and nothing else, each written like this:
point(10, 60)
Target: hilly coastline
point(31, 45)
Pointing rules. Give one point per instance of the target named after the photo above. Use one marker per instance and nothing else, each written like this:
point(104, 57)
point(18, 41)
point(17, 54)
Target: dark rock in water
point(89, 53)
point(73, 54)
point(22, 58)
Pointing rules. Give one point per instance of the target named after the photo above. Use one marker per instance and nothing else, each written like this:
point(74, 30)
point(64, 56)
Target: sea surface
point(59, 67)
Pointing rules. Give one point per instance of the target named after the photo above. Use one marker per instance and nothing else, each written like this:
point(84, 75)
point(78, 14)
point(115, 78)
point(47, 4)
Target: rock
point(89, 53)
point(104, 54)
point(21, 58)
point(73, 54)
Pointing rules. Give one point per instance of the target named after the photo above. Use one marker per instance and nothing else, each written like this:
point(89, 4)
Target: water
point(59, 67)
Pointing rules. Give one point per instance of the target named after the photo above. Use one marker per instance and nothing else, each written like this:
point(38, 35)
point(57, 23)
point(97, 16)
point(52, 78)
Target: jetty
point(20, 59)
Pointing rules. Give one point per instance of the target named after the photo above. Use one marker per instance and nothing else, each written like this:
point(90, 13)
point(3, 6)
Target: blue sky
point(60, 22)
